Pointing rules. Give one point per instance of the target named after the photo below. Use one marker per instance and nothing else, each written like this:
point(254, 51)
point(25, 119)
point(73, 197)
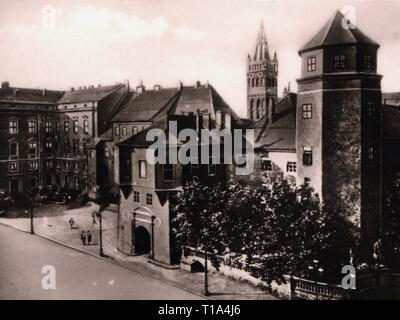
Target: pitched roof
point(89, 94)
point(333, 33)
point(155, 105)
point(392, 98)
point(281, 133)
point(145, 106)
point(25, 95)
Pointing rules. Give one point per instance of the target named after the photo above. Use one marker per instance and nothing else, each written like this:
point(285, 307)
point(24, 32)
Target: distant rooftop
point(88, 93)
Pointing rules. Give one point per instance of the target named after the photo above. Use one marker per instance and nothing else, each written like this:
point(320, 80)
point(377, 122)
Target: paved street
point(78, 275)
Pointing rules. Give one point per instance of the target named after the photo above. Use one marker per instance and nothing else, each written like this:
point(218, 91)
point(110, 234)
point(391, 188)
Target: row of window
point(49, 164)
point(307, 110)
point(308, 156)
point(123, 130)
point(149, 197)
point(17, 184)
point(266, 165)
point(48, 125)
point(339, 62)
point(48, 147)
point(261, 82)
point(168, 170)
point(255, 66)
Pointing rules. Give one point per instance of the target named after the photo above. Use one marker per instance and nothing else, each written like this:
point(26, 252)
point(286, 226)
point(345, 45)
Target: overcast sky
point(166, 41)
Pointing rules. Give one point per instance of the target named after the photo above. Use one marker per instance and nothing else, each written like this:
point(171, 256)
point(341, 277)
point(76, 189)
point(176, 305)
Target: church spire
point(261, 32)
point(261, 52)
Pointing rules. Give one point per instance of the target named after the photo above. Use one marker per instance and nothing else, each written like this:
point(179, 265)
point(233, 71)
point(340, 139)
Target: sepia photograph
point(214, 150)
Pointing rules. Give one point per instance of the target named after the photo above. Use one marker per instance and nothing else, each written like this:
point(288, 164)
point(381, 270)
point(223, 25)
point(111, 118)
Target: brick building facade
point(46, 135)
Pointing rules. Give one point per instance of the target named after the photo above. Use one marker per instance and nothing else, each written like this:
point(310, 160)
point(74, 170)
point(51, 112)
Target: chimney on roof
point(5, 85)
point(227, 121)
point(197, 84)
point(207, 84)
point(15, 92)
point(218, 119)
point(43, 92)
point(140, 89)
point(127, 85)
point(180, 85)
point(157, 87)
point(72, 89)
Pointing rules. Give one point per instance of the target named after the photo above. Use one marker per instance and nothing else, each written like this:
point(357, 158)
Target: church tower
point(338, 124)
point(262, 72)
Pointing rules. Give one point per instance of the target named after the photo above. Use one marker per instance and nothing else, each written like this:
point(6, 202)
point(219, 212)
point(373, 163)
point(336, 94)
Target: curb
point(111, 260)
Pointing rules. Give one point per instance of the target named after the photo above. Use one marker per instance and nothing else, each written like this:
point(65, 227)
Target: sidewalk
point(57, 228)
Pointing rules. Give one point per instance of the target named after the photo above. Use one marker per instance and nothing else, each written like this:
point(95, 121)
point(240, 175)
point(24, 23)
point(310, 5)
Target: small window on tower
point(311, 64)
point(371, 109)
point(339, 62)
point(307, 111)
point(371, 155)
point(307, 156)
point(367, 62)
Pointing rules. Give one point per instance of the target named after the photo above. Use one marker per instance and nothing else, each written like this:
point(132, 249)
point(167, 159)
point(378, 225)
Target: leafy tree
point(392, 224)
point(280, 226)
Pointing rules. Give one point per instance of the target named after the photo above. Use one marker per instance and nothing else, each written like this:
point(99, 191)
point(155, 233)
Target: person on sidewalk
point(71, 222)
point(94, 218)
point(89, 237)
point(83, 238)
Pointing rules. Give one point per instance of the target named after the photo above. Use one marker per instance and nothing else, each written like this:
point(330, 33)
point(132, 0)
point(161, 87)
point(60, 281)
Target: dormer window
point(311, 64)
point(339, 62)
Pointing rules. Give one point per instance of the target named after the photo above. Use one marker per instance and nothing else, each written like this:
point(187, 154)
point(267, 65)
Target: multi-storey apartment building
point(26, 155)
point(144, 216)
point(45, 133)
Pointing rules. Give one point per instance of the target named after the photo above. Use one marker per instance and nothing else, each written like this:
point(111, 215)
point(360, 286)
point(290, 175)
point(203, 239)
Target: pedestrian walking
point(94, 218)
point(71, 222)
point(89, 237)
point(83, 238)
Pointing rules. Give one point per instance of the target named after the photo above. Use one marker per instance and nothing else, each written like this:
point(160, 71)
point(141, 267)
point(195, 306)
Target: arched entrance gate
point(142, 241)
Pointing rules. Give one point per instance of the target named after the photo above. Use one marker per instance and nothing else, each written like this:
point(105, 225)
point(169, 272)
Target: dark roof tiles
point(334, 33)
point(89, 94)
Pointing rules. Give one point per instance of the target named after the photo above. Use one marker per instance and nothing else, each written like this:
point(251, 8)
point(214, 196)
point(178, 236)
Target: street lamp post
point(317, 272)
point(101, 233)
point(206, 292)
point(31, 211)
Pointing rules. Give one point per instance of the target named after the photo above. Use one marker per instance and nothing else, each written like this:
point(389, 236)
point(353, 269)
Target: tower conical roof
point(334, 33)
point(261, 52)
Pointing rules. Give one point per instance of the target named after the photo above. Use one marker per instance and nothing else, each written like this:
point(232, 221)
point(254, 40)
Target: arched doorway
point(142, 240)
